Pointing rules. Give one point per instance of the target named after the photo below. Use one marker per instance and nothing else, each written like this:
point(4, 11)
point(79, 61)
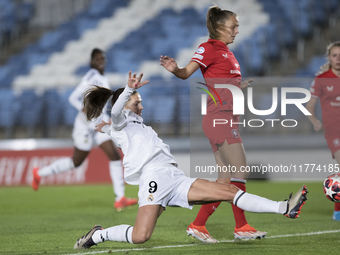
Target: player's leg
point(116, 173)
point(197, 228)
point(139, 233)
point(203, 191)
point(336, 214)
point(61, 165)
point(234, 155)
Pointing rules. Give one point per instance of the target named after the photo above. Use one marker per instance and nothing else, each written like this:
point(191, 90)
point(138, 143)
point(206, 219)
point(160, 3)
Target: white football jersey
point(140, 144)
point(92, 77)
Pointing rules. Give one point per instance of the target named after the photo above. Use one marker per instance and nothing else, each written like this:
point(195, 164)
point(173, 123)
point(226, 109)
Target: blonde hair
point(216, 19)
point(327, 66)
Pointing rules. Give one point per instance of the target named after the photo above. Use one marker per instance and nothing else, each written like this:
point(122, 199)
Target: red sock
point(204, 213)
point(336, 207)
point(240, 218)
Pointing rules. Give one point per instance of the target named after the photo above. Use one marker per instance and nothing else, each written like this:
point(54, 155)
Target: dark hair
point(95, 99)
point(216, 19)
point(327, 66)
point(95, 51)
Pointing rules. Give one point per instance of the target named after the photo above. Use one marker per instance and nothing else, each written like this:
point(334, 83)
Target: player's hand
point(101, 125)
point(246, 83)
point(135, 82)
point(169, 64)
point(317, 125)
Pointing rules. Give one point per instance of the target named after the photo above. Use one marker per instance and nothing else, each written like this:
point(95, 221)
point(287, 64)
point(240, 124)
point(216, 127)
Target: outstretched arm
point(184, 73)
point(311, 108)
point(117, 117)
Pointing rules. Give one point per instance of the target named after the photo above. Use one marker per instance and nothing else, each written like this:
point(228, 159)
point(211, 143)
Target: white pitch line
point(188, 245)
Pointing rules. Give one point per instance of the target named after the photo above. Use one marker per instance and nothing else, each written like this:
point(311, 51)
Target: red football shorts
point(333, 142)
point(219, 127)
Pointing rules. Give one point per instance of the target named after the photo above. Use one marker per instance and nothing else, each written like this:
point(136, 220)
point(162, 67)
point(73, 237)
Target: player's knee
point(223, 180)
point(141, 238)
point(77, 162)
point(229, 192)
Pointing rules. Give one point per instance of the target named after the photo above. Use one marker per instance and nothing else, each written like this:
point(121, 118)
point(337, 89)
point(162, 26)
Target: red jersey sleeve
point(315, 88)
point(203, 55)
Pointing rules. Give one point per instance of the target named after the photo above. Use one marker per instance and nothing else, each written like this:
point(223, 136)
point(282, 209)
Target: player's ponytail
point(216, 19)
point(95, 99)
point(327, 66)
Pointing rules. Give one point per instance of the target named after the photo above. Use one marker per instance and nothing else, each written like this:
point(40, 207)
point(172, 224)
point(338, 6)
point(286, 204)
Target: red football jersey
point(219, 66)
point(326, 86)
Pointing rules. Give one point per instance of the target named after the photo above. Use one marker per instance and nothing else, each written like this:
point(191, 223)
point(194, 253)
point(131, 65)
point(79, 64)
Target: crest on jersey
point(330, 88)
point(150, 198)
point(234, 132)
point(200, 50)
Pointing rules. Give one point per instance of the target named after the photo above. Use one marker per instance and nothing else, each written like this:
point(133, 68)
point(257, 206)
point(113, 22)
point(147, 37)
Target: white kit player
point(149, 164)
point(85, 136)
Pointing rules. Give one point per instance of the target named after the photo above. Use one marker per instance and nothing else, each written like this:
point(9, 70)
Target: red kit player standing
point(327, 87)
point(219, 66)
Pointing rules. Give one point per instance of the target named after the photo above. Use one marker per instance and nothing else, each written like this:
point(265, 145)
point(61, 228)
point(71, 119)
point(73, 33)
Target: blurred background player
point(216, 61)
point(84, 136)
point(326, 86)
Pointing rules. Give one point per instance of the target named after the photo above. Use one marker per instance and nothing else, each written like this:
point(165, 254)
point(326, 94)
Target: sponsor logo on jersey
point(336, 142)
point(237, 65)
point(200, 50)
point(330, 88)
point(338, 98)
point(150, 198)
point(225, 55)
point(235, 71)
point(234, 132)
point(198, 56)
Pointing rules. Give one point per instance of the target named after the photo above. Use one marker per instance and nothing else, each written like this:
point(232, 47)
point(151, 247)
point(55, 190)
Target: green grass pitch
point(50, 221)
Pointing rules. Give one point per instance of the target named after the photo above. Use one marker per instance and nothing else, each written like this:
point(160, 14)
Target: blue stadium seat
point(100, 9)
point(162, 109)
point(271, 43)
point(4, 77)
point(84, 24)
point(51, 41)
point(31, 108)
point(81, 71)
point(316, 63)
point(319, 12)
point(36, 58)
point(331, 5)
point(53, 107)
point(9, 108)
point(69, 112)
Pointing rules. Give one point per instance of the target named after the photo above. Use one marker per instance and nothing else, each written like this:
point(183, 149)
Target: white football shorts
point(164, 185)
point(84, 137)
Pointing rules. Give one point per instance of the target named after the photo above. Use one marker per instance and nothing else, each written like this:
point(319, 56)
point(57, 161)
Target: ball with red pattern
point(331, 187)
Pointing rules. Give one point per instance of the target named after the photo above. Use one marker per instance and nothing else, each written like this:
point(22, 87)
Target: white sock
point(121, 233)
point(116, 173)
point(58, 166)
point(253, 203)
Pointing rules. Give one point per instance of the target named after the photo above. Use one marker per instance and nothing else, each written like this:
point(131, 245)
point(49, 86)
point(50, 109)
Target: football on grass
point(331, 187)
